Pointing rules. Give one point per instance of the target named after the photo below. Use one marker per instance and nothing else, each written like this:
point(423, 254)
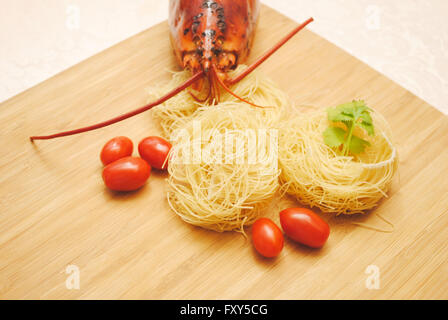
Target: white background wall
point(405, 39)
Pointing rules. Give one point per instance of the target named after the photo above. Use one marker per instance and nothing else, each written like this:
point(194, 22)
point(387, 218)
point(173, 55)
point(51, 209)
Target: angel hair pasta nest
point(317, 176)
point(180, 109)
point(218, 180)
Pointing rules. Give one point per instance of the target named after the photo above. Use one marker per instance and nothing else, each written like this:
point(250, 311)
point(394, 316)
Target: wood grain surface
point(55, 211)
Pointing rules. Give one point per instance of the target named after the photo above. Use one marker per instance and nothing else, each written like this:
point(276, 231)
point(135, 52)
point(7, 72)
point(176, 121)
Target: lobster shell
point(207, 32)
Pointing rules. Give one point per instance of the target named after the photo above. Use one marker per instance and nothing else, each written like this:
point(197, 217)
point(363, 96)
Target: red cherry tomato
point(267, 238)
point(155, 150)
point(115, 149)
point(126, 174)
point(304, 226)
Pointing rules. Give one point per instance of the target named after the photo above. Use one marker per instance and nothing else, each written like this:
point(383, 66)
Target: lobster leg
point(267, 54)
point(125, 116)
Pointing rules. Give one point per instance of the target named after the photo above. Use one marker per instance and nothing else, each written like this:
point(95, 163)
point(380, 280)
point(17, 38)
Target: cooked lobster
point(209, 38)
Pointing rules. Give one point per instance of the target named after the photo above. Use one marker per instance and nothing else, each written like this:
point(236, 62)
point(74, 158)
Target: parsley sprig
point(353, 114)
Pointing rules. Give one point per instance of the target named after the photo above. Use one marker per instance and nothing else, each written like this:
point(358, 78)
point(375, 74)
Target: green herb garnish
point(352, 115)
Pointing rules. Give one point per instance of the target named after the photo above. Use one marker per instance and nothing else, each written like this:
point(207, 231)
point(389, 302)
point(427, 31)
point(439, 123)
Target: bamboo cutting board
point(55, 211)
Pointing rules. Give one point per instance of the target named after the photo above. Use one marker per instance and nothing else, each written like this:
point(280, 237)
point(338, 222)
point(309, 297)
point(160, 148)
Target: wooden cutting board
point(55, 211)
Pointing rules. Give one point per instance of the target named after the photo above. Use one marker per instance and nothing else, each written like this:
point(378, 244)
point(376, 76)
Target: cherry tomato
point(126, 174)
point(115, 149)
point(267, 238)
point(155, 150)
point(304, 226)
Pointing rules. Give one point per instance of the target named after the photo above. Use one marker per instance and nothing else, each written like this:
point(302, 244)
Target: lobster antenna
point(216, 95)
point(269, 53)
point(125, 116)
point(231, 92)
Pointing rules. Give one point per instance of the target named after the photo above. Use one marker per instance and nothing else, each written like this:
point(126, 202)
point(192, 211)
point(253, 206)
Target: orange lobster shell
point(212, 32)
